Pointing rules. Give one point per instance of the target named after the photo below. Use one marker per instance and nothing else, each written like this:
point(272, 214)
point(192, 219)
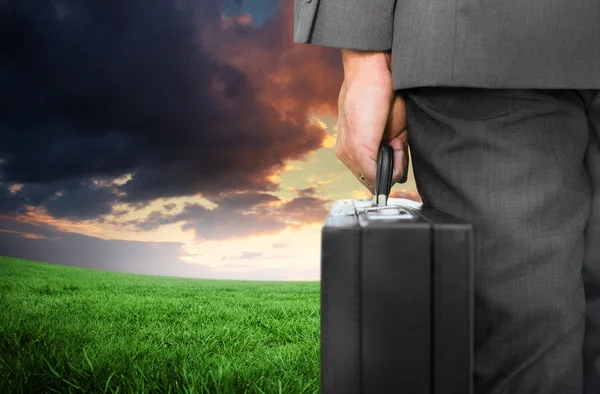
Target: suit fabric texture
point(467, 43)
point(503, 117)
point(523, 166)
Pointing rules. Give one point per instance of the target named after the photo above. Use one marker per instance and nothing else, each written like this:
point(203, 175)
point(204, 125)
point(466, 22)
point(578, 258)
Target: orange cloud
point(37, 216)
point(295, 79)
point(24, 235)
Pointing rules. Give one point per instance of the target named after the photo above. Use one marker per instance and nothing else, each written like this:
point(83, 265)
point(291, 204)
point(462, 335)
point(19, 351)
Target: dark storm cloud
point(240, 201)
point(241, 215)
point(96, 90)
point(217, 223)
point(305, 209)
point(9, 202)
point(28, 194)
point(81, 200)
point(71, 199)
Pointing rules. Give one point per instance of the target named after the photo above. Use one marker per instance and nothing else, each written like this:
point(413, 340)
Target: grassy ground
point(66, 329)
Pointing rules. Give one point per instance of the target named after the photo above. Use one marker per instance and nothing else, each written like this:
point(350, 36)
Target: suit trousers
point(523, 166)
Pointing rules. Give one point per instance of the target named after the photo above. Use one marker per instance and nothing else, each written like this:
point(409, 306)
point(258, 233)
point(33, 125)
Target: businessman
point(498, 101)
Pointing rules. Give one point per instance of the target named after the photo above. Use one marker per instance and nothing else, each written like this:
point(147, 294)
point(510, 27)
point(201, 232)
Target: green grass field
point(66, 329)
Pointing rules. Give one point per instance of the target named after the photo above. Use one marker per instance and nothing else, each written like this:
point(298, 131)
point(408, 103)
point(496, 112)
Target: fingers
point(366, 163)
point(366, 112)
point(361, 162)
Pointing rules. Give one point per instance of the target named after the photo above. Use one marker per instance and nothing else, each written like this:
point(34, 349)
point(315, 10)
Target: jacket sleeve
point(347, 24)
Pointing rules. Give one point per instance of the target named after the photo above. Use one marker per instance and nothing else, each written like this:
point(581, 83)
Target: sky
point(168, 137)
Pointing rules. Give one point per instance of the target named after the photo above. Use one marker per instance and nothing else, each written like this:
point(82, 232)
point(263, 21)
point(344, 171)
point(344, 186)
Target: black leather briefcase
point(396, 296)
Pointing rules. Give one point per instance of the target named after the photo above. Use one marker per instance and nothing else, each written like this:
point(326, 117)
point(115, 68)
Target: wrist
point(366, 64)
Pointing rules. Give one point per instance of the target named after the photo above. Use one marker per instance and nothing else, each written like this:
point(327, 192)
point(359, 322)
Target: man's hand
point(369, 113)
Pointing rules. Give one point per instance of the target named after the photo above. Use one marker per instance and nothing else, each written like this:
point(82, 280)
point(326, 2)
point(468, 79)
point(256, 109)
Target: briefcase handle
point(383, 179)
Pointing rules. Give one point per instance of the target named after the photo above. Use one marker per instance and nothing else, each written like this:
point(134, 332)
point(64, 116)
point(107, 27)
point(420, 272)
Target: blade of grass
point(108, 381)
point(57, 374)
point(88, 360)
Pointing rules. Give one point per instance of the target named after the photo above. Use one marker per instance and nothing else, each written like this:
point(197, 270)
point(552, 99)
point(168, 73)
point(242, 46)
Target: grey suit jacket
point(467, 43)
